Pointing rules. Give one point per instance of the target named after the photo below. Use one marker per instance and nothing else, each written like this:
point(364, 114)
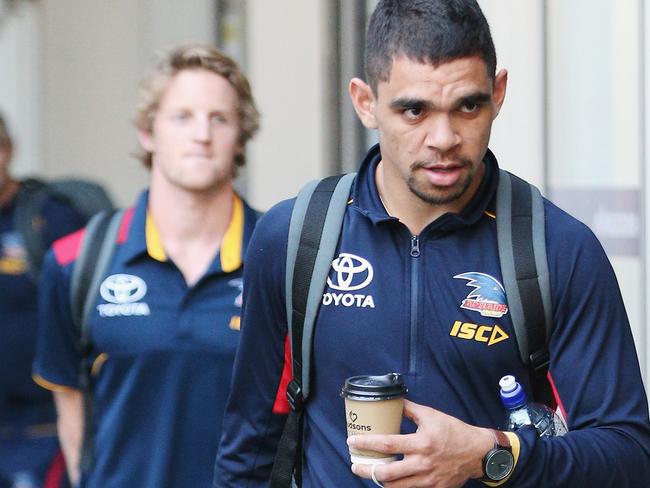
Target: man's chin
point(439, 195)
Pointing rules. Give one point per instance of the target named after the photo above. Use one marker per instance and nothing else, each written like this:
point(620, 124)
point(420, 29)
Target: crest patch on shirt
point(13, 255)
point(488, 297)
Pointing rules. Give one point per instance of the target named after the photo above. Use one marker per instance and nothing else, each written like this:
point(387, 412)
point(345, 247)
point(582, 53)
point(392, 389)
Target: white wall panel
point(94, 54)
point(286, 60)
point(20, 85)
point(518, 132)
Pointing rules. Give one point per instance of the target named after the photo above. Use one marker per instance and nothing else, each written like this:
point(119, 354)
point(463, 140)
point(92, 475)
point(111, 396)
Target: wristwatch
point(499, 462)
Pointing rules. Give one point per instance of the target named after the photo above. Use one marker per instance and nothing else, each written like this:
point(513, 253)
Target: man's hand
point(444, 452)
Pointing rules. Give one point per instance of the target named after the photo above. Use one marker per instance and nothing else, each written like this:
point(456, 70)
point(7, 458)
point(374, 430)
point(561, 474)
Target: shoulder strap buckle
point(294, 396)
point(539, 362)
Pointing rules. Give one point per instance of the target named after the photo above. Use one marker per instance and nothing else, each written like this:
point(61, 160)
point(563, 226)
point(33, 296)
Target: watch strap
point(501, 440)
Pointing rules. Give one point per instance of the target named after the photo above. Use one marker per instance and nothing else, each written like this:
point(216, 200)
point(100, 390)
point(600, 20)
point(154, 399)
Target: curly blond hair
point(194, 57)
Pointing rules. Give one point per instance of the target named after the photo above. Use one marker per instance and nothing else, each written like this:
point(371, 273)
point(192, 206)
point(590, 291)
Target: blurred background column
point(286, 63)
point(518, 134)
point(595, 146)
point(20, 81)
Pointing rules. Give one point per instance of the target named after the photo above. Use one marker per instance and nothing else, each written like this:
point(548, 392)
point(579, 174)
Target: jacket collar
point(366, 196)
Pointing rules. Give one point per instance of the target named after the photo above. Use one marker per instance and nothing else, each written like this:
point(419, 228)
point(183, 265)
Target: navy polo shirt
point(164, 353)
point(22, 403)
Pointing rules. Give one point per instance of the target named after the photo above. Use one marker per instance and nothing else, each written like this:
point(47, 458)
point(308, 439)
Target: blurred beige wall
point(518, 138)
point(20, 84)
point(93, 55)
point(286, 59)
point(74, 87)
point(69, 70)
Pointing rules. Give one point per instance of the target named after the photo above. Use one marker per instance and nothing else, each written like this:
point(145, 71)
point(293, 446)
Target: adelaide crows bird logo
point(487, 297)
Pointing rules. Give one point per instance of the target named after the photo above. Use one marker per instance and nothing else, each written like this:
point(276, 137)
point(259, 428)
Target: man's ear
point(146, 140)
point(499, 91)
point(6, 152)
point(363, 100)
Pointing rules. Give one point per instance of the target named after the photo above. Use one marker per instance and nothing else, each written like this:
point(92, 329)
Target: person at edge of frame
point(166, 322)
point(30, 456)
point(421, 223)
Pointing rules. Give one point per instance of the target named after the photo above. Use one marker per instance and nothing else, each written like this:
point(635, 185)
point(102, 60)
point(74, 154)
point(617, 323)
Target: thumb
point(415, 411)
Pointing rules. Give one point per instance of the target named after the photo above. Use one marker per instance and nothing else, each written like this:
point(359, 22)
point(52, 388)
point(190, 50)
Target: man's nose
point(202, 129)
point(441, 133)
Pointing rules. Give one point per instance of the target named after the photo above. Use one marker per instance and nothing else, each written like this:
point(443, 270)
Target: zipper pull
point(415, 246)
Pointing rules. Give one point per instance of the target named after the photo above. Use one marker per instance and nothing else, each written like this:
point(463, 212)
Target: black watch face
point(499, 464)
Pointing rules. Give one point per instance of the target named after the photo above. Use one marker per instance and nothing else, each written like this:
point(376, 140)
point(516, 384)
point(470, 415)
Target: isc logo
point(480, 333)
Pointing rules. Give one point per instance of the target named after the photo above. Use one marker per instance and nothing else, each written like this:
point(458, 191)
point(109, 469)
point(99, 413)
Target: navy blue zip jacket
point(431, 307)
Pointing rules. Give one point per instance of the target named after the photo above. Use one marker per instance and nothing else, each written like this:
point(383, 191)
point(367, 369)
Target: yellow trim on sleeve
point(154, 243)
point(233, 239)
point(235, 322)
point(516, 448)
point(48, 385)
point(516, 445)
point(489, 214)
point(99, 362)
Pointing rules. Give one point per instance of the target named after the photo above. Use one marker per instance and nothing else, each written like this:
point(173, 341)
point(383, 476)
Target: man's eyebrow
point(406, 103)
point(477, 98)
point(402, 103)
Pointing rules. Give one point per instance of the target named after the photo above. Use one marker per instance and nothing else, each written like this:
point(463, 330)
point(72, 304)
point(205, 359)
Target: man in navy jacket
point(29, 449)
point(421, 219)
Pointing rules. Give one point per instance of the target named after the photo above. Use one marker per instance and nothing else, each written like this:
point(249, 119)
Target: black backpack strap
point(89, 269)
point(522, 253)
point(86, 197)
point(314, 232)
point(27, 220)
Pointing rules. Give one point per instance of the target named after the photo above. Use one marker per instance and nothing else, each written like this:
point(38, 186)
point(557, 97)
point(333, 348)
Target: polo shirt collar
point(366, 195)
point(135, 243)
point(143, 237)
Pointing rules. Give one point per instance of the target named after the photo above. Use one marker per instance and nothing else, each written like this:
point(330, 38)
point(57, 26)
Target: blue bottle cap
point(512, 394)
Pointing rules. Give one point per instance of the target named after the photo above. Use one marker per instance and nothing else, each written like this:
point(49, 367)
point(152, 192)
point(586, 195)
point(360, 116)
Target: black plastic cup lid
point(369, 388)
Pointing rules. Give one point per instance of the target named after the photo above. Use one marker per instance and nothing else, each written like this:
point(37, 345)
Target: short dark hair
point(432, 31)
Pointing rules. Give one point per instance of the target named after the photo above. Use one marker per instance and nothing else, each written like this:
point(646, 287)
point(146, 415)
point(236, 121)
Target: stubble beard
point(438, 195)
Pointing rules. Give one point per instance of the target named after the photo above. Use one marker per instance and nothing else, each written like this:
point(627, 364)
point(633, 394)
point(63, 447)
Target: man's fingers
point(387, 444)
point(398, 474)
point(383, 472)
point(415, 411)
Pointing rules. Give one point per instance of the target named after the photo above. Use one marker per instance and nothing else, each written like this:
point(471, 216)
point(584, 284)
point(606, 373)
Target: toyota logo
point(349, 272)
point(123, 288)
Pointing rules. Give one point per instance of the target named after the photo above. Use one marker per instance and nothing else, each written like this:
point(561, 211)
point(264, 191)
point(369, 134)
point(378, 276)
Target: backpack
point(92, 262)
point(314, 232)
point(84, 197)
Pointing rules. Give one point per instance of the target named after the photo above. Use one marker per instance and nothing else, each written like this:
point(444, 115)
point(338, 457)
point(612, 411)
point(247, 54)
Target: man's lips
point(199, 155)
point(443, 174)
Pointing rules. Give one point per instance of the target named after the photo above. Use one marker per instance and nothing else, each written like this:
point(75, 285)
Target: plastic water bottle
point(24, 479)
point(522, 413)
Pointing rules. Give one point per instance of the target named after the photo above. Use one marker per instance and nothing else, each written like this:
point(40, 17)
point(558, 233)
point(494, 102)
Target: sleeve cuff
point(48, 385)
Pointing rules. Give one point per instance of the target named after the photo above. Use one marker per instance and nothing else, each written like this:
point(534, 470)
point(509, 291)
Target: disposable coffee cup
point(373, 405)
